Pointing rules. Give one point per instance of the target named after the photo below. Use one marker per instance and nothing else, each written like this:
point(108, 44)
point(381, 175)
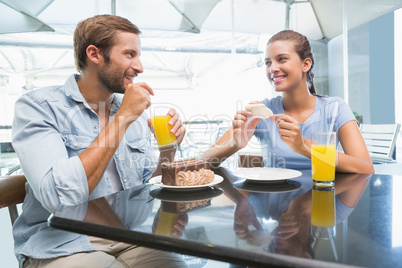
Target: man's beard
point(110, 79)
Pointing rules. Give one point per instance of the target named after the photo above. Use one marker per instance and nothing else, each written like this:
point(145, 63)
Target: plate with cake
point(186, 175)
point(264, 174)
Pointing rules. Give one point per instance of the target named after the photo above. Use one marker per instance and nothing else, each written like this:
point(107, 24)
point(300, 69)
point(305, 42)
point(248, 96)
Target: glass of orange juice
point(323, 212)
point(160, 122)
point(323, 158)
point(166, 222)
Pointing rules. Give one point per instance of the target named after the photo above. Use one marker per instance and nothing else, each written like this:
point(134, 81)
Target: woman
point(285, 137)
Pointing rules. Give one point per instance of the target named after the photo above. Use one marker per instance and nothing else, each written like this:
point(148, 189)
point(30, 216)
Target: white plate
point(266, 174)
point(157, 182)
point(186, 196)
point(270, 187)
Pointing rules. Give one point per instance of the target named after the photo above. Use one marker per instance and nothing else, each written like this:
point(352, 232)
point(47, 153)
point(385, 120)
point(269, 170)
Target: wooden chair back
point(12, 192)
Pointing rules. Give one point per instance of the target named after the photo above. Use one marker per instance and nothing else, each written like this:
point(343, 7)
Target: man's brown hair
point(99, 31)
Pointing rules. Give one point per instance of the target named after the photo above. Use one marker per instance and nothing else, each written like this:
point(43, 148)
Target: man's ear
point(94, 54)
point(307, 64)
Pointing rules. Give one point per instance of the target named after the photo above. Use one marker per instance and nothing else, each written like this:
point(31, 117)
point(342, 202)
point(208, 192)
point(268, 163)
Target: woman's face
point(285, 70)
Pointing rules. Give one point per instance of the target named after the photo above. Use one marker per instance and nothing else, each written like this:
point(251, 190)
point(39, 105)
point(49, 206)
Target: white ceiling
point(176, 33)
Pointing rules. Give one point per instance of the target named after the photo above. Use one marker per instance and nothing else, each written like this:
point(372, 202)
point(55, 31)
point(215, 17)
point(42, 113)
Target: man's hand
point(178, 128)
point(180, 225)
point(136, 100)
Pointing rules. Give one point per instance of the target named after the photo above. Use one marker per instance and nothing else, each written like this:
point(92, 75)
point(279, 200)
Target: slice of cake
point(184, 206)
point(250, 161)
point(169, 213)
point(187, 173)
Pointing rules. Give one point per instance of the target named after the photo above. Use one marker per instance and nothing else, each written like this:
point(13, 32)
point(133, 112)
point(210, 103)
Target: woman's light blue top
point(330, 114)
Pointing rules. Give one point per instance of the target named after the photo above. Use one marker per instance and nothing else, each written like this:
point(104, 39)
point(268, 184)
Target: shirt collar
point(73, 91)
point(116, 103)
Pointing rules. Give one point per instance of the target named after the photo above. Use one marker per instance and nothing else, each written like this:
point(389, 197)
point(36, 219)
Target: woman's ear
point(93, 54)
point(307, 65)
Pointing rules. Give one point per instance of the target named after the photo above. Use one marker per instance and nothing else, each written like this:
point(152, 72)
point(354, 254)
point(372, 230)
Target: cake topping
point(186, 206)
point(192, 178)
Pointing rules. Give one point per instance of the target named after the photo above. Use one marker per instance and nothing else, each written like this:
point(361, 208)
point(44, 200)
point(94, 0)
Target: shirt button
point(125, 180)
point(95, 126)
point(75, 143)
point(116, 153)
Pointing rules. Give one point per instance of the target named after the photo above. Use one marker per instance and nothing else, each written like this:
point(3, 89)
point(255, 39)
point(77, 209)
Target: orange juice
point(323, 162)
point(323, 207)
point(166, 222)
point(162, 130)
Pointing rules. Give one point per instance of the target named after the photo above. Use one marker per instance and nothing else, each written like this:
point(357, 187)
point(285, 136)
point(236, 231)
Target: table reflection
point(264, 221)
point(281, 222)
point(127, 209)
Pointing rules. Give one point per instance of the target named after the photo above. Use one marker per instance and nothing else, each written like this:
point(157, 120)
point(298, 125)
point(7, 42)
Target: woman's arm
point(236, 138)
point(221, 150)
point(356, 158)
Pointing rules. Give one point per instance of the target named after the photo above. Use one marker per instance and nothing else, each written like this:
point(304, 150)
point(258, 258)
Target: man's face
point(124, 63)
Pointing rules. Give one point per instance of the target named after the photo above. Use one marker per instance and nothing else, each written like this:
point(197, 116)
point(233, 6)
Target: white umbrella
point(170, 15)
point(16, 19)
point(164, 21)
point(317, 19)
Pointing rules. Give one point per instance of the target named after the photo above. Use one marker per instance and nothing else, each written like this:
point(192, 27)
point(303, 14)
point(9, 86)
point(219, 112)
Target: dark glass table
point(257, 224)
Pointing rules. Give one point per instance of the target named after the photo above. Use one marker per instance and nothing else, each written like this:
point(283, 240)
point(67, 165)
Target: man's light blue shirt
point(51, 127)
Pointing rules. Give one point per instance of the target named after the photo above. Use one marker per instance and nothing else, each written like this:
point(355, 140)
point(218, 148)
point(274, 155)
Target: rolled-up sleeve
point(55, 178)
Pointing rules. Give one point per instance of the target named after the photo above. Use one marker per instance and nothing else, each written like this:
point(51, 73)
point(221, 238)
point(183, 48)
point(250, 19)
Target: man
point(81, 141)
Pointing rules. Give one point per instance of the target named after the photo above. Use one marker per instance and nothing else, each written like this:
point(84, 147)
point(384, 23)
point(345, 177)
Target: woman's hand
point(243, 129)
point(289, 131)
point(290, 221)
point(289, 225)
point(244, 218)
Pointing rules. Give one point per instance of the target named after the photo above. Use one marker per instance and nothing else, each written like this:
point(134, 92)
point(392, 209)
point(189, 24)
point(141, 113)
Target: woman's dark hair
point(302, 48)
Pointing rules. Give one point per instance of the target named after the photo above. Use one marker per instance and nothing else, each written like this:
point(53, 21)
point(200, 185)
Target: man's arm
point(97, 156)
